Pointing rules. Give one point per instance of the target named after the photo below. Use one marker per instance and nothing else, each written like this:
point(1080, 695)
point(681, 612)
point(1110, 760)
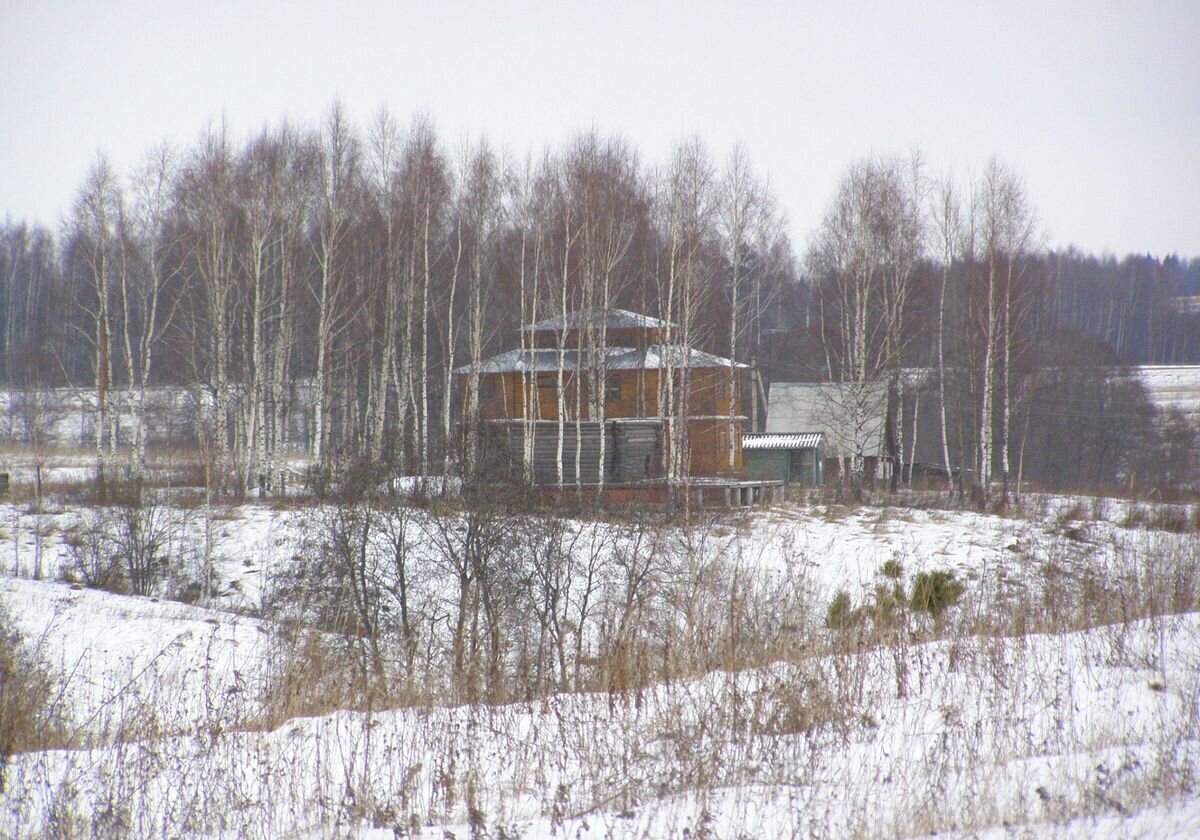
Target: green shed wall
point(766, 464)
point(792, 466)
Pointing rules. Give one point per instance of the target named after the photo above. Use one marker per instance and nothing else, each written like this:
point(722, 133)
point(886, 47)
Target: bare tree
point(688, 205)
point(1008, 230)
point(384, 194)
point(863, 257)
point(428, 184)
point(481, 207)
point(206, 193)
point(146, 316)
point(741, 216)
point(95, 228)
point(947, 220)
point(338, 174)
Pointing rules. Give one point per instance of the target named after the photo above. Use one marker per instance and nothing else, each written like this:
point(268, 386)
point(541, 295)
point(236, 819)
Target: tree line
point(362, 267)
point(945, 292)
point(354, 269)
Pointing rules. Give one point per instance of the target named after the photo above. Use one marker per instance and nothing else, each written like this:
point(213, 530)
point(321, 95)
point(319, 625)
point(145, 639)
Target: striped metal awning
point(801, 440)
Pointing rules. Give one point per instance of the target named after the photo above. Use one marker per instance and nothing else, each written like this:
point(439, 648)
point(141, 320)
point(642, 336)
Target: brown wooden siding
point(634, 394)
point(708, 447)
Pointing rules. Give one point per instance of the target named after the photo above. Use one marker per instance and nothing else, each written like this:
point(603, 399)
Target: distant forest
point(365, 264)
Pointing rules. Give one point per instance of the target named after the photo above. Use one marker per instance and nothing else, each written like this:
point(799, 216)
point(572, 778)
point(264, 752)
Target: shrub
point(94, 558)
point(28, 720)
point(888, 605)
point(933, 592)
point(122, 548)
point(841, 613)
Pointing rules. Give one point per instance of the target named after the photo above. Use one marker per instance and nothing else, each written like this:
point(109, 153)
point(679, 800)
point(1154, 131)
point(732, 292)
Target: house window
point(547, 379)
point(612, 387)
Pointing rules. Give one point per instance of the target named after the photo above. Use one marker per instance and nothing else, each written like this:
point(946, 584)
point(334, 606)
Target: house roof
point(849, 415)
point(803, 440)
point(615, 319)
point(654, 357)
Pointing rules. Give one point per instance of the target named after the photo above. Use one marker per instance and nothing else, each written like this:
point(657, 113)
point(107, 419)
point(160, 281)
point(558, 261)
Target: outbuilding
point(791, 458)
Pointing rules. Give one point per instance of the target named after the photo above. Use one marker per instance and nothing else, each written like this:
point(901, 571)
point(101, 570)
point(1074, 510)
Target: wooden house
point(606, 372)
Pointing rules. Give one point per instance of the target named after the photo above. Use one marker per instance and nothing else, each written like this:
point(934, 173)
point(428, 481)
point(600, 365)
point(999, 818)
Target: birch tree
point(300, 154)
point(740, 214)
point(385, 193)
point(427, 186)
point(947, 223)
point(863, 257)
point(95, 230)
point(338, 173)
point(482, 207)
point(614, 211)
point(261, 172)
point(568, 233)
point(206, 206)
point(1009, 235)
point(528, 209)
point(146, 316)
point(689, 205)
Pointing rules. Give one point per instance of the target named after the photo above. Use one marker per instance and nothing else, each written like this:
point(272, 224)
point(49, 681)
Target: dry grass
point(29, 718)
point(692, 674)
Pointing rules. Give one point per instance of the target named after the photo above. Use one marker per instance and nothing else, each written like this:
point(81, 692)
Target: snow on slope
point(834, 549)
point(1173, 387)
point(1060, 732)
point(133, 665)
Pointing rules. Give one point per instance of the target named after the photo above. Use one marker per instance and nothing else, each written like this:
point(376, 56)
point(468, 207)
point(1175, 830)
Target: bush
point(933, 592)
point(888, 605)
point(28, 720)
point(94, 559)
point(841, 613)
point(122, 548)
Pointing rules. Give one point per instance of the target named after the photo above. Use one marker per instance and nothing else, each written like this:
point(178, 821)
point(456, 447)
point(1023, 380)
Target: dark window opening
point(612, 387)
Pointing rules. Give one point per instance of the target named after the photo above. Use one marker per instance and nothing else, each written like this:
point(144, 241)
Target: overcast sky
point(1096, 104)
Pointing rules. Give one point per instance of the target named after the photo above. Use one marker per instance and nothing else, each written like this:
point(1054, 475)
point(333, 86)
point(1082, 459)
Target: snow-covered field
point(1084, 723)
point(1173, 387)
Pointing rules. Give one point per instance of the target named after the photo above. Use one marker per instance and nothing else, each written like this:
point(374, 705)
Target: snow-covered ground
point(1058, 734)
point(1080, 733)
point(123, 656)
point(1173, 387)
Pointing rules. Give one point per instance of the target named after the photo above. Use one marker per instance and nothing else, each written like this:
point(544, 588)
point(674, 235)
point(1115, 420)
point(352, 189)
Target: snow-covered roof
point(804, 440)
point(663, 355)
point(654, 357)
point(613, 319)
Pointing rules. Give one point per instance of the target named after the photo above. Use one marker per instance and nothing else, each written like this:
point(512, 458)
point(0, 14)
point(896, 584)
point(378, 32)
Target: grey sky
point(1097, 104)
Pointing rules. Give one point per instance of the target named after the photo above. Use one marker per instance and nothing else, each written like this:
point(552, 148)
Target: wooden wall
point(501, 397)
point(708, 424)
point(632, 450)
point(708, 447)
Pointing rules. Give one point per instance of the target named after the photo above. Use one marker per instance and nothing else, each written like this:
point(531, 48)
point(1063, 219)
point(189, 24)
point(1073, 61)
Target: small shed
point(793, 458)
point(851, 417)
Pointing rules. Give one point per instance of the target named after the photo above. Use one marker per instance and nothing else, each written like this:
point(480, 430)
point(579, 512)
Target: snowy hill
point(1057, 697)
